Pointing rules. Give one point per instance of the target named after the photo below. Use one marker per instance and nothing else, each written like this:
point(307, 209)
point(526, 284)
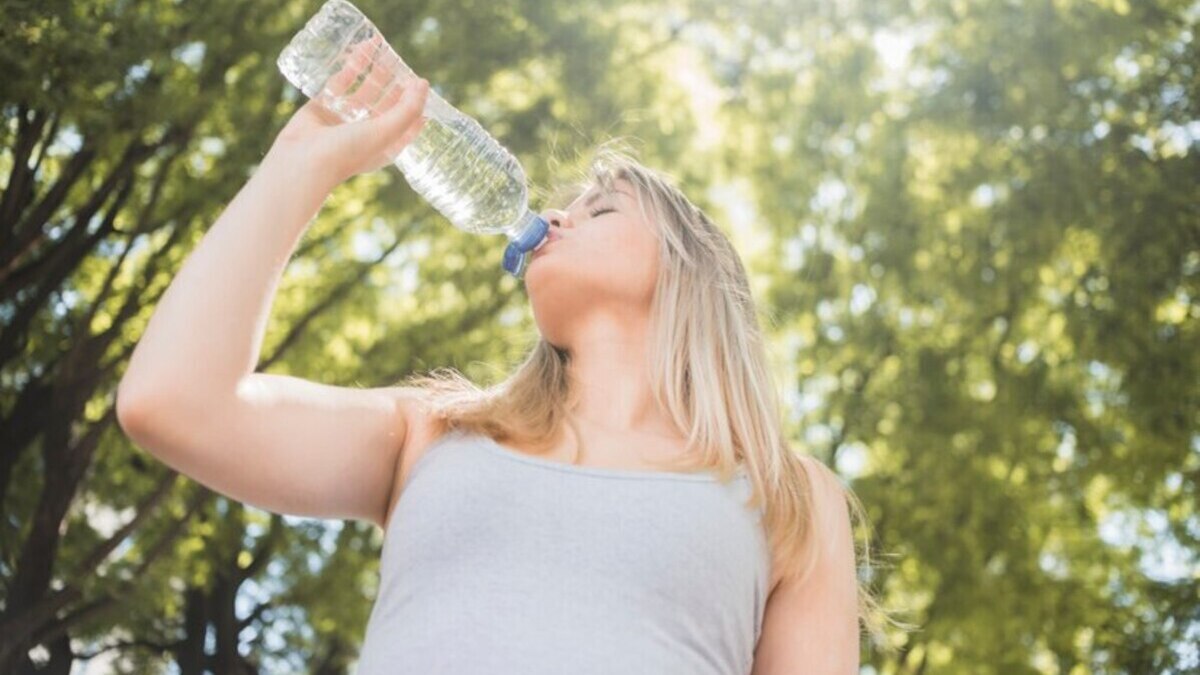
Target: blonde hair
point(711, 375)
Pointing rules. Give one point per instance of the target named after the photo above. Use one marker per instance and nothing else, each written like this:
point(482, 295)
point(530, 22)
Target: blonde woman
point(624, 502)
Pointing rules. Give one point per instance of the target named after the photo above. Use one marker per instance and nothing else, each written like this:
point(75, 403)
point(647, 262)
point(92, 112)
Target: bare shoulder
point(825, 480)
point(831, 507)
point(831, 512)
point(811, 624)
point(418, 427)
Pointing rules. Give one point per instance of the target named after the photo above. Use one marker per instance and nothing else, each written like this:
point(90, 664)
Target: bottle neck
point(527, 231)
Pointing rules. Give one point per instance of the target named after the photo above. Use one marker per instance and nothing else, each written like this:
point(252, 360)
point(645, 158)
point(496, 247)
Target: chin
point(551, 331)
point(546, 267)
point(554, 307)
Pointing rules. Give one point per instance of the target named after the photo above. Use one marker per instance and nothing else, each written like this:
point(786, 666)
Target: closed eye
point(602, 210)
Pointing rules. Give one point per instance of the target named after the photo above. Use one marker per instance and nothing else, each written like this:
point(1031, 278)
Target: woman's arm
point(813, 627)
point(207, 330)
point(190, 394)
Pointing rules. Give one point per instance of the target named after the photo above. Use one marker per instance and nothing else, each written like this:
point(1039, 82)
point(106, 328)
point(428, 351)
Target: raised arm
point(190, 395)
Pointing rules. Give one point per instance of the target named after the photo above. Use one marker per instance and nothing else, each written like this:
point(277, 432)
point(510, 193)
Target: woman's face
point(602, 259)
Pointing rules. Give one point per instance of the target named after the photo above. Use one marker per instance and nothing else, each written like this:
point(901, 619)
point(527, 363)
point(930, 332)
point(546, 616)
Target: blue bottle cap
point(514, 260)
point(516, 254)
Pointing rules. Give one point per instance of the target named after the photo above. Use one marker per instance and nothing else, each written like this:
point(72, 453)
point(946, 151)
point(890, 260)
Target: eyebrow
point(599, 195)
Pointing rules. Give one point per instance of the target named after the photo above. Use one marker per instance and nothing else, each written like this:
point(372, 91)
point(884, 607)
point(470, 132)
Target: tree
point(986, 268)
point(128, 126)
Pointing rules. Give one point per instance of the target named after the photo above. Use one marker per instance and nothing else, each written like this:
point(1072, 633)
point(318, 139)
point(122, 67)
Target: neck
point(609, 369)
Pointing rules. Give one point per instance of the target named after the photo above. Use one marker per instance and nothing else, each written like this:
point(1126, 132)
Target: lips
point(551, 237)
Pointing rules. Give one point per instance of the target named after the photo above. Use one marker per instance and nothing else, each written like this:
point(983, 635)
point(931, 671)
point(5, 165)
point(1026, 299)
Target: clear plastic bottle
point(453, 162)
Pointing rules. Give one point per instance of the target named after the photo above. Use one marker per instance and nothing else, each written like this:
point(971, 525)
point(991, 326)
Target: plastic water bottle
point(452, 162)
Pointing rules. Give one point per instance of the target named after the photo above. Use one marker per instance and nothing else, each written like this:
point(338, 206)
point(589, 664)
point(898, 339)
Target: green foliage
point(987, 268)
point(980, 266)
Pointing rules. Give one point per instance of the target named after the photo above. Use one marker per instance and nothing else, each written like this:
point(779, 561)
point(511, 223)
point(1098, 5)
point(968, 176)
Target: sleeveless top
point(496, 561)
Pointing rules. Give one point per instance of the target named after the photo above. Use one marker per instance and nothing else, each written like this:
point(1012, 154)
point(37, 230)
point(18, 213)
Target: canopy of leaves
point(973, 230)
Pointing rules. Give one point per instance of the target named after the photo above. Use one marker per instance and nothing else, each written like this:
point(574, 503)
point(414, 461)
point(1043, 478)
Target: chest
point(481, 518)
point(541, 563)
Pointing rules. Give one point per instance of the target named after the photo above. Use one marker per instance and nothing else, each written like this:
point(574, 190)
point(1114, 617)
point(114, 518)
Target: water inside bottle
point(455, 166)
point(464, 173)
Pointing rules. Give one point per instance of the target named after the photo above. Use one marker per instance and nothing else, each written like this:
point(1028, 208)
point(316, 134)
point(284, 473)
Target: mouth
point(550, 239)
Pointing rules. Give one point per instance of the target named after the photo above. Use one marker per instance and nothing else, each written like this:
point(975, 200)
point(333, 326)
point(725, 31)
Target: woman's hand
point(339, 150)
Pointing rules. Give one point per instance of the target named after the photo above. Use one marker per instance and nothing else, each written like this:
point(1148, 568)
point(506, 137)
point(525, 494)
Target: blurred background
point(973, 231)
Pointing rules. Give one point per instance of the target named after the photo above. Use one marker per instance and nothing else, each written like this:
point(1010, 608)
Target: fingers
point(387, 80)
point(403, 121)
point(370, 58)
point(406, 118)
point(368, 144)
point(408, 136)
point(358, 85)
point(412, 102)
point(340, 82)
point(392, 95)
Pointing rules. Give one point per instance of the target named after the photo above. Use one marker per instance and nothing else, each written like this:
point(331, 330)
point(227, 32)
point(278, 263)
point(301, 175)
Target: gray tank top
point(495, 561)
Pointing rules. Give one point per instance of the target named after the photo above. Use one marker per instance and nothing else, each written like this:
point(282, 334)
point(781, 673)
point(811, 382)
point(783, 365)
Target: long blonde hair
point(710, 375)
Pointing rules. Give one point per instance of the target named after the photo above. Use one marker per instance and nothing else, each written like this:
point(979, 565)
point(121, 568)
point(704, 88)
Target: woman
point(671, 531)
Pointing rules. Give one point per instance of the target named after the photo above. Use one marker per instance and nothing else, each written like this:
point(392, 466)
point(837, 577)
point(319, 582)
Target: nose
point(556, 217)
